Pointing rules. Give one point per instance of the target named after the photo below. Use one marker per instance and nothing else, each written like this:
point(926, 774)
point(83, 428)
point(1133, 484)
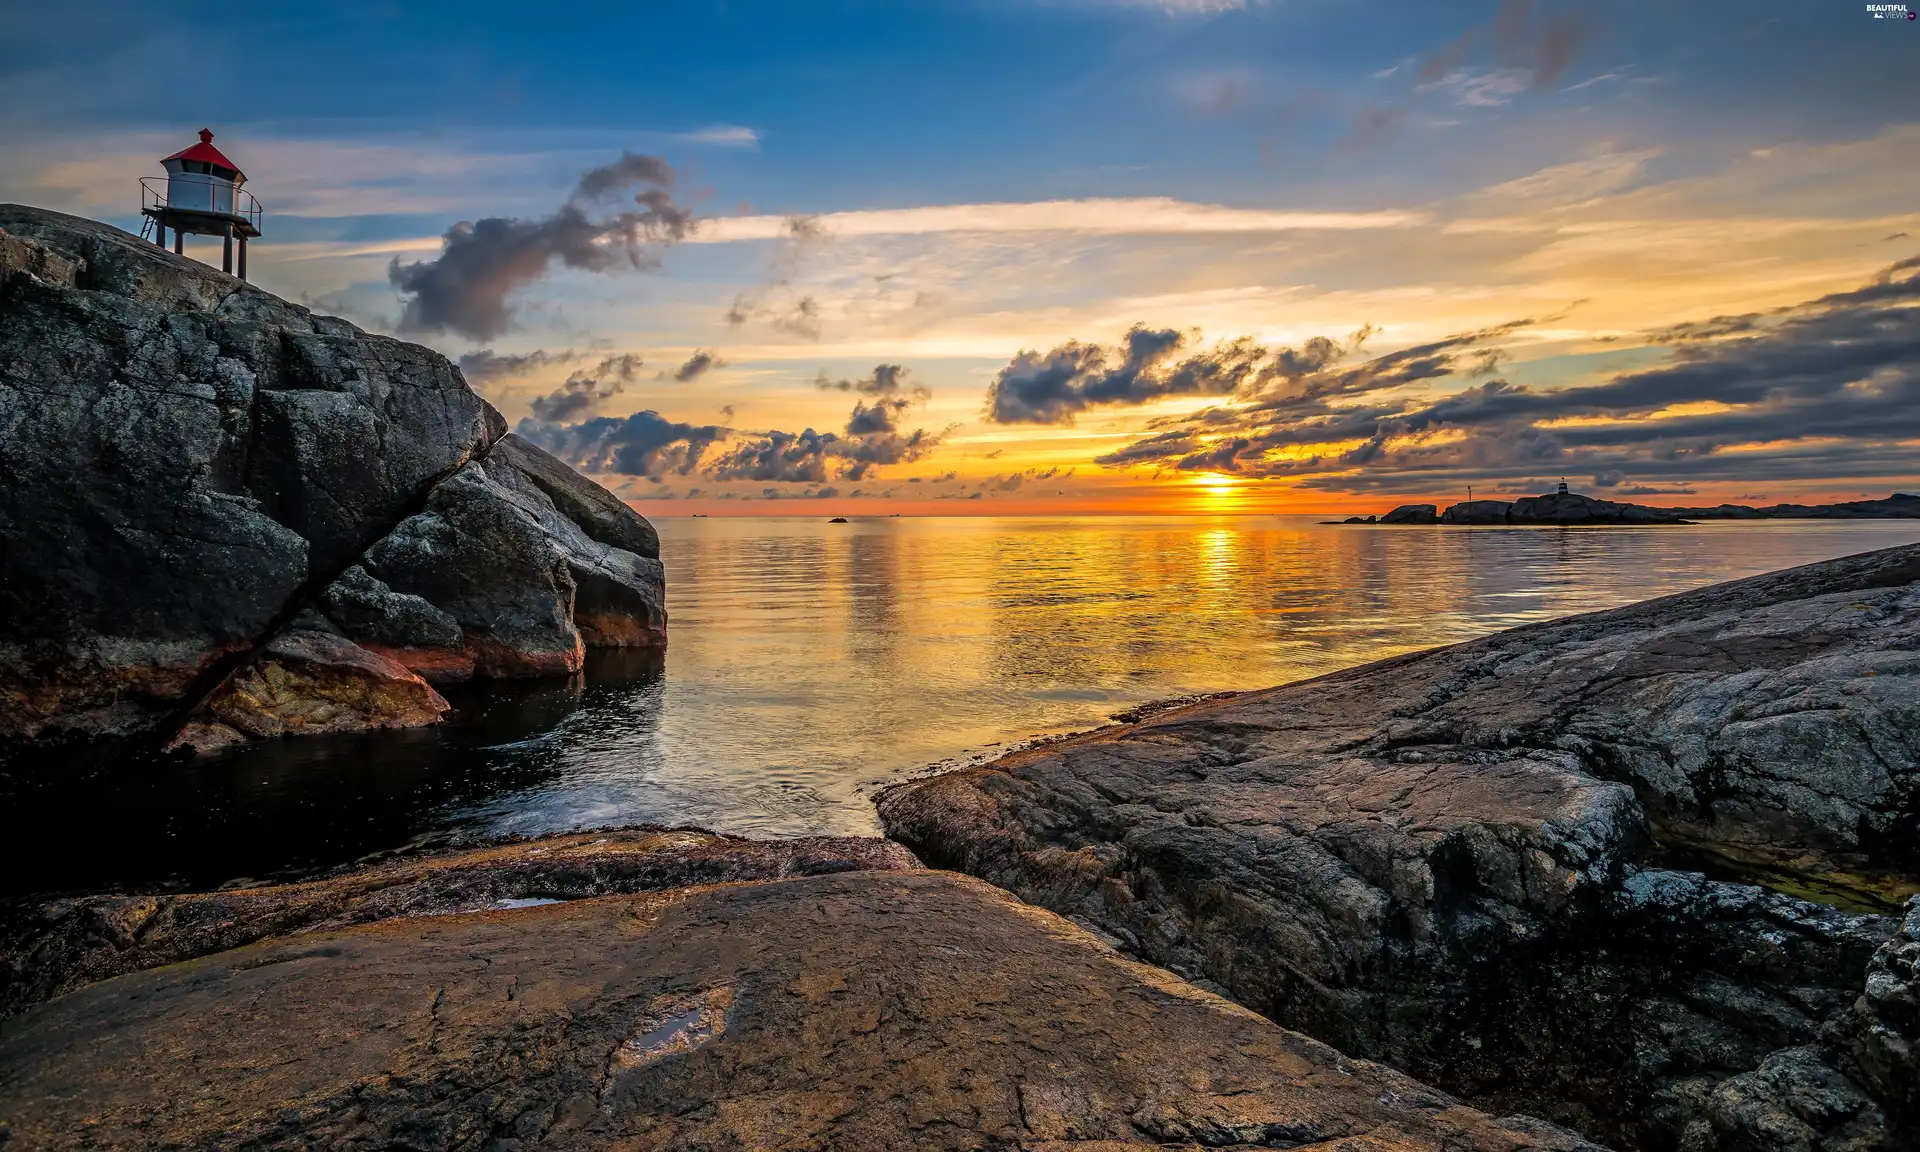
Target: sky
point(963, 256)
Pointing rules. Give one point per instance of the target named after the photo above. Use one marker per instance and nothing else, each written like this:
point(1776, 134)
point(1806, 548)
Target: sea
point(811, 663)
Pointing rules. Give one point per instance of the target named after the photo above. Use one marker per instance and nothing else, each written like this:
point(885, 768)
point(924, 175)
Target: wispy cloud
point(720, 136)
point(1141, 216)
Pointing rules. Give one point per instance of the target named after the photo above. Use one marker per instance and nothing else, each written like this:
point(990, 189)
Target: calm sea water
point(811, 662)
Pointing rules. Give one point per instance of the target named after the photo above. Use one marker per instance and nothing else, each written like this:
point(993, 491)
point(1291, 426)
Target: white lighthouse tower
point(202, 194)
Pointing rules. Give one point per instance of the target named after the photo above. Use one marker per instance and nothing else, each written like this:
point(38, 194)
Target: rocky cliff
point(1471, 863)
point(223, 516)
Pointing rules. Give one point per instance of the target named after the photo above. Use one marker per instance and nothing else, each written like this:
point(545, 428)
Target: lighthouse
point(202, 194)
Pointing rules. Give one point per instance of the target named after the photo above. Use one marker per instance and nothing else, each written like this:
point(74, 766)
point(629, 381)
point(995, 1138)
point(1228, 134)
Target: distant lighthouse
point(202, 194)
point(1563, 488)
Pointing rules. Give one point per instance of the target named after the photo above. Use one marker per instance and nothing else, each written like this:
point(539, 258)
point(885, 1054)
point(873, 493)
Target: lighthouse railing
point(209, 199)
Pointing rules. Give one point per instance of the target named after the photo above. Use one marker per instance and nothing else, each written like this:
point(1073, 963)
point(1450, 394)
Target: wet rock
point(898, 1010)
point(204, 738)
point(53, 947)
point(1427, 860)
point(1412, 514)
point(305, 683)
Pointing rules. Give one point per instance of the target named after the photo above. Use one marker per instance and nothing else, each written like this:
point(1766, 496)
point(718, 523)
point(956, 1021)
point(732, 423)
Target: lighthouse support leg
point(179, 242)
point(160, 234)
point(226, 252)
point(243, 257)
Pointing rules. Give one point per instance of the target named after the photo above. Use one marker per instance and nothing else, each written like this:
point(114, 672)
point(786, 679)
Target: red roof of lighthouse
point(204, 151)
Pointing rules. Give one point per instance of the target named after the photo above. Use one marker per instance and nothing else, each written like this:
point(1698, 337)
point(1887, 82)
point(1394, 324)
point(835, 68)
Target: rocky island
point(1570, 509)
point(223, 517)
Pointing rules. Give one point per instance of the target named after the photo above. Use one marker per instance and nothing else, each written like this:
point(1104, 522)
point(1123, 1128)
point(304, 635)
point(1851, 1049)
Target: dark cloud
point(1828, 389)
point(884, 380)
point(465, 289)
point(1054, 387)
point(643, 444)
point(874, 436)
point(584, 390)
point(781, 456)
point(486, 365)
point(802, 320)
point(697, 365)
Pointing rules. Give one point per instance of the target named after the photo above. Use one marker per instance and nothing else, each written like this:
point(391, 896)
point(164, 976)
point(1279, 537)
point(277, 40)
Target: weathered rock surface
point(56, 946)
point(893, 1010)
point(311, 682)
point(527, 587)
point(1878, 1040)
point(187, 463)
point(1429, 860)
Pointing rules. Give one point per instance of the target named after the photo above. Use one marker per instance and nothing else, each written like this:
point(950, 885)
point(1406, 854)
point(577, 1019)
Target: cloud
point(703, 361)
point(643, 444)
point(1156, 215)
point(487, 366)
point(885, 380)
point(722, 136)
point(465, 289)
point(873, 437)
point(1056, 386)
point(1827, 389)
point(1528, 50)
point(584, 390)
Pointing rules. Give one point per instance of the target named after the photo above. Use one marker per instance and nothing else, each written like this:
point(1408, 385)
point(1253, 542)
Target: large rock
point(1412, 514)
point(1427, 860)
point(56, 946)
point(1477, 512)
point(187, 461)
point(528, 588)
point(1571, 508)
point(894, 1010)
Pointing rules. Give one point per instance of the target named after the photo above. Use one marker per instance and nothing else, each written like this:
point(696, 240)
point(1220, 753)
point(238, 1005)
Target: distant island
point(1570, 508)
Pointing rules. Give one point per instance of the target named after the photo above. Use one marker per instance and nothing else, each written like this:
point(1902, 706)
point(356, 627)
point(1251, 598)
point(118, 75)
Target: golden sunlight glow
point(1670, 412)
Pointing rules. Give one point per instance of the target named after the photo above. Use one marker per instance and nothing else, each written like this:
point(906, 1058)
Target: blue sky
point(993, 176)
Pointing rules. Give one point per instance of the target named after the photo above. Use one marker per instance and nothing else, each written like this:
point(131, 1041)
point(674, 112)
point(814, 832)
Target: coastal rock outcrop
point(51, 947)
point(1451, 861)
point(189, 466)
point(1412, 514)
point(1571, 509)
point(865, 1010)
